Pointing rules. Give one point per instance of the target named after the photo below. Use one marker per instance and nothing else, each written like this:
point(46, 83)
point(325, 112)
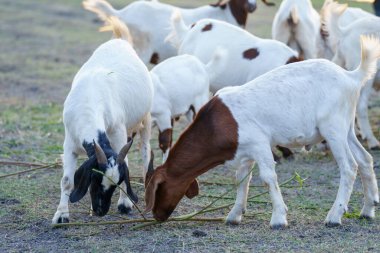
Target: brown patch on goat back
point(207, 28)
point(294, 59)
point(251, 53)
point(154, 59)
point(209, 141)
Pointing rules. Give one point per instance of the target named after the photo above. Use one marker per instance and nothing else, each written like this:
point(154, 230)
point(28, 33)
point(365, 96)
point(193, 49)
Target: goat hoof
point(63, 220)
point(123, 209)
point(290, 157)
point(331, 224)
point(232, 222)
point(375, 148)
point(365, 217)
point(278, 226)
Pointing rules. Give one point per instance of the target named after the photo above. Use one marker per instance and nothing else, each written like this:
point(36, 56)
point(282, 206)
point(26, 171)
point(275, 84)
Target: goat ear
point(193, 189)
point(82, 180)
point(150, 171)
point(130, 192)
point(150, 191)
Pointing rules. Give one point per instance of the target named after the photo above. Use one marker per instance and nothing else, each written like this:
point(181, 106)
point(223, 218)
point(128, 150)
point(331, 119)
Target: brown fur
point(165, 139)
point(239, 9)
point(251, 53)
point(155, 58)
point(294, 59)
point(209, 141)
point(207, 28)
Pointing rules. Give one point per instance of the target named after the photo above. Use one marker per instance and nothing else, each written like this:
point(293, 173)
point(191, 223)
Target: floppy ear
point(193, 189)
point(82, 180)
point(150, 191)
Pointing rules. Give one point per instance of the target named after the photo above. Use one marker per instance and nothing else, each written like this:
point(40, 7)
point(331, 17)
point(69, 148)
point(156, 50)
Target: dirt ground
point(42, 44)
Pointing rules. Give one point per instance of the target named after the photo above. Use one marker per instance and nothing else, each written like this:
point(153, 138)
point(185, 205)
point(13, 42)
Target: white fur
point(149, 23)
point(331, 18)
point(112, 93)
point(304, 32)
point(348, 56)
point(235, 40)
point(297, 105)
point(296, 23)
point(179, 83)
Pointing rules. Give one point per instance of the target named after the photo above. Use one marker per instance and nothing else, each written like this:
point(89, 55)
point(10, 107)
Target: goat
point(181, 86)
point(248, 52)
point(149, 21)
point(245, 50)
point(347, 56)
point(298, 25)
point(293, 105)
point(328, 38)
point(110, 98)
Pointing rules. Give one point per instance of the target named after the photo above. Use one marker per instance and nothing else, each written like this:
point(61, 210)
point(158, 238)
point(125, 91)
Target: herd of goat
point(267, 94)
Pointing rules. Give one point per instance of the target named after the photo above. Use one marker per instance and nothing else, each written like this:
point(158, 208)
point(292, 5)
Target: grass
point(44, 44)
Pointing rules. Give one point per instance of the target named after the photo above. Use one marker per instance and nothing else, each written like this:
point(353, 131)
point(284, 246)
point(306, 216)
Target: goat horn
point(99, 153)
point(124, 151)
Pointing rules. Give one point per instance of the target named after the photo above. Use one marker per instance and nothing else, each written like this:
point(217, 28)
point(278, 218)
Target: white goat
point(110, 98)
point(149, 22)
point(298, 25)
point(248, 56)
point(328, 37)
point(294, 105)
point(348, 56)
point(181, 86)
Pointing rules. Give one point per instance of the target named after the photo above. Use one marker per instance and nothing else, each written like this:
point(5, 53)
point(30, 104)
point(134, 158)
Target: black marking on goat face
point(251, 53)
point(101, 187)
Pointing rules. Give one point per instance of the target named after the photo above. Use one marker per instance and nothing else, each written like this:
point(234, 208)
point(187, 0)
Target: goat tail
point(217, 63)
point(330, 13)
point(370, 53)
point(120, 29)
point(293, 16)
point(179, 29)
point(101, 7)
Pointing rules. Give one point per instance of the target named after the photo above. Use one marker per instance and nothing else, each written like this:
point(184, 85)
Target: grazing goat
point(181, 86)
point(149, 22)
point(294, 105)
point(110, 98)
point(348, 56)
point(298, 25)
point(244, 50)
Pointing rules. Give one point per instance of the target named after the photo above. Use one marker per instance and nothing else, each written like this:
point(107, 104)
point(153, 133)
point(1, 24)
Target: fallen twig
point(33, 169)
point(120, 222)
point(26, 164)
point(215, 196)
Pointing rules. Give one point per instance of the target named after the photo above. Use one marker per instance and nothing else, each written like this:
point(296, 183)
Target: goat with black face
point(113, 168)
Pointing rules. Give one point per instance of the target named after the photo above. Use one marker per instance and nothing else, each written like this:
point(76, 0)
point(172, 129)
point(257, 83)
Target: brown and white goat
point(293, 105)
